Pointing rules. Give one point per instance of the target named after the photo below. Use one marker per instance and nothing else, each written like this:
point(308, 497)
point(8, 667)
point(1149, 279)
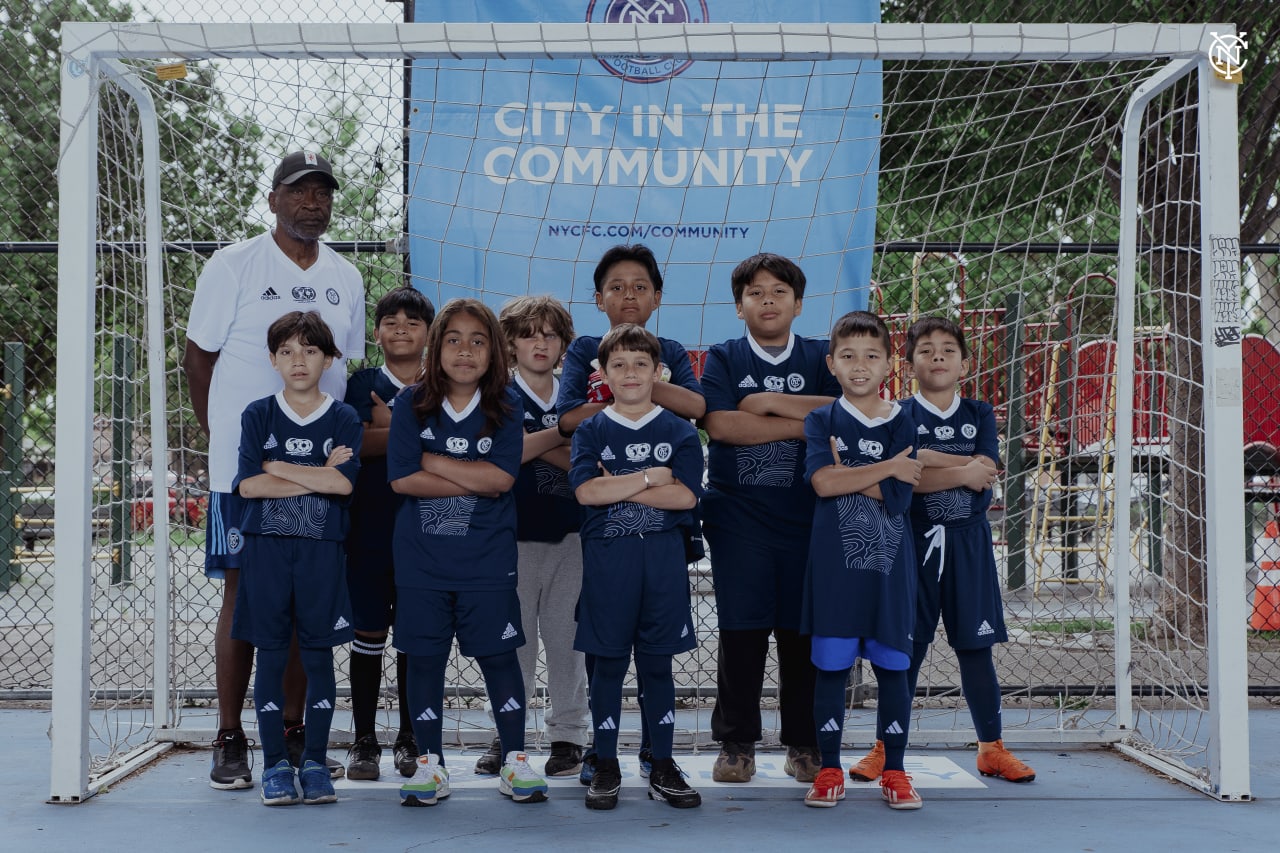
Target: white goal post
point(1211, 756)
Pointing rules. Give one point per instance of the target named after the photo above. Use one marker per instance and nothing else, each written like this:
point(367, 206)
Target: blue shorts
point(288, 582)
point(485, 621)
point(959, 581)
point(371, 583)
point(635, 595)
point(759, 583)
point(222, 538)
point(834, 654)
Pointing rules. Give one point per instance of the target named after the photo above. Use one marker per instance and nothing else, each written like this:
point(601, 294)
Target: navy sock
point(828, 713)
point(322, 692)
point(268, 699)
point(659, 708)
point(425, 689)
point(606, 702)
point(504, 683)
point(893, 714)
point(366, 679)
point(981, 690)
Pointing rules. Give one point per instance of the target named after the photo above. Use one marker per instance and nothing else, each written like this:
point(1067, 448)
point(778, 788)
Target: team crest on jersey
point(483, 445)
point(457, 444)
point(774, 383)
point(332, 296)
point(427, 434)
point(646, 69)
point(304, 294)
point(327, 447)
point(550, 419)
point(870, 448)
point(235, 541)
point(270, 443)
point(606, 455)
point(638, 452)
point(298, 446)
point(662, 451)
point(944, 433)
point(968, 430)
point(795, 382)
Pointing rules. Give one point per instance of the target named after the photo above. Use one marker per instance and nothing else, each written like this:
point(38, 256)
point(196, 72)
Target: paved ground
point(1086, 800)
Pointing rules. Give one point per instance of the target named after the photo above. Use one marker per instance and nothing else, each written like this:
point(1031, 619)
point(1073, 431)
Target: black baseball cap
point(300, 163)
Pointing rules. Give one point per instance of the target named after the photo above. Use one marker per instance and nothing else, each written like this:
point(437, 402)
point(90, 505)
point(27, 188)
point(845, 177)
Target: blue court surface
point(1082, 799)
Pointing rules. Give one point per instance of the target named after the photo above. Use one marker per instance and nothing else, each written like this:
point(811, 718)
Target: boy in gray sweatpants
point(538, 329)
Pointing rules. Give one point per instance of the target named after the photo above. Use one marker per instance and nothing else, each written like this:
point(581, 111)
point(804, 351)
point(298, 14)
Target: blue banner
point(522, 173)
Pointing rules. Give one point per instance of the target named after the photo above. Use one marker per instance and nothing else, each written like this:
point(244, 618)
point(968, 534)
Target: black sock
point(366, 680)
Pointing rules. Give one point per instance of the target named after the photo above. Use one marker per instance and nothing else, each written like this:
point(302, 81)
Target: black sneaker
point(666, 783)
point(605, 784)
point(295, 743)
point(491, 762)
point(365, 759)
point(406, 754)
point(231, 768)
point(565, 759)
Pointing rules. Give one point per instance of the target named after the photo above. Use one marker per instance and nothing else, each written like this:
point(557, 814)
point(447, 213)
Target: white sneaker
point(430, 783)
point(518, 781)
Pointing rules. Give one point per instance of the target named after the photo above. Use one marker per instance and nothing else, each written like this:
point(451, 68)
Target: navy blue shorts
point(635, 594)
point(371, 582)
point(222, 539)
point(485, 621)
point(759, 583)
point(959, 581)
point(287, 581)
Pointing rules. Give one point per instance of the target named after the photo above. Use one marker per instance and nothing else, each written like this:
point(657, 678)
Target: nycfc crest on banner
point(646, 69)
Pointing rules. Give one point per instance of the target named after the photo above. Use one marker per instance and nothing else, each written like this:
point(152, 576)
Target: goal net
point(1066, 192)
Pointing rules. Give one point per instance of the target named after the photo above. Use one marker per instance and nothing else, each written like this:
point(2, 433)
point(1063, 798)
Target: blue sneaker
point(316, 786)
point(277, 785)
point(588, 771)
point(646, 762)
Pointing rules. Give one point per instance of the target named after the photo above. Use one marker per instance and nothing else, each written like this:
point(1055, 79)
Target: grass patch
point(1073, 626)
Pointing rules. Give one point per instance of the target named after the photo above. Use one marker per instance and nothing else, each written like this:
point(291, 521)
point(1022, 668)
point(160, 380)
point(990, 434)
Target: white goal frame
point(92, 49)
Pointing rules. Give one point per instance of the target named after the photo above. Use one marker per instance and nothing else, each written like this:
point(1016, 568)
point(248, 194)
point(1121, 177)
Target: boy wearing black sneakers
point(401, 320)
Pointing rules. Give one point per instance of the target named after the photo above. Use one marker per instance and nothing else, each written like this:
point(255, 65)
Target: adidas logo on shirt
point(748, 382)
point(893, 728)
point(341, 623)
point(511, 705)
point(428, 715)
point(922, 430)
point(268, 708)
point(985, 628)
point(669, 719)
point(684, 632)
point(840, 445)
point(830, 726)
point(427, 433)
point(323, 705)
point(270, 443)
point(608, 725)
point(269, 294)
point(509, 632)
point(607, 453)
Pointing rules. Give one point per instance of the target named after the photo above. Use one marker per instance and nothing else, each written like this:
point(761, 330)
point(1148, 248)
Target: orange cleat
point(895, 788)
point(995, 760)
point(871, 765)
point(827, 789)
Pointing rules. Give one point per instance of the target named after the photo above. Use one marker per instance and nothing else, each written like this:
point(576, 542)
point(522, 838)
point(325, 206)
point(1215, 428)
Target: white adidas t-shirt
point(242, 290)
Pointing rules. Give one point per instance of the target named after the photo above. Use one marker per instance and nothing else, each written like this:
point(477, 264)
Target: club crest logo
point(795, 383)
point(646, 69)
point(332, 296)
point(235, 542)
point(549, 420)
point(774, 383)
point(456, 444)
point(662, 452)
point(968, 430)
point(484, 444)
point(303, 294)
point(944, 433)
point(870, 448)
point(327, 447)
point(638, 452)
point(298, 446)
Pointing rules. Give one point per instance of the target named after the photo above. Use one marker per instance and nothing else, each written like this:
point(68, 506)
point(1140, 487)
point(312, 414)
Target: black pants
point(740, 678)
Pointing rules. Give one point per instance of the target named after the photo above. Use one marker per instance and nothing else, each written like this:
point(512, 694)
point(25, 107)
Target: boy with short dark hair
point(637, 469)
point(860, 589)
point(401, 320)
point(299, 454)
point(758, 512)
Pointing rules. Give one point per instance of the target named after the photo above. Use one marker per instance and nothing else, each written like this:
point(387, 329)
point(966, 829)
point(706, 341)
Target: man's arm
point(744, 428)
point(678, 400)
point(198, 365)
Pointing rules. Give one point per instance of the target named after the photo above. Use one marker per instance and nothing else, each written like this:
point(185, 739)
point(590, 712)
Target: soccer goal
point(1067, 192)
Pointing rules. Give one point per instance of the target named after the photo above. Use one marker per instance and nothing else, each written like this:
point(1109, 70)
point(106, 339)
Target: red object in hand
point(597, 389)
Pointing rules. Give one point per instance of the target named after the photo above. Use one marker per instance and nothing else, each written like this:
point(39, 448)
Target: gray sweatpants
point(550, 579)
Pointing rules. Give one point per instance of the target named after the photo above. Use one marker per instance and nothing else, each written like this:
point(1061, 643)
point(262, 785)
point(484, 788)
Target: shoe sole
point(1030, 778)
point(823, 804)
point(576, 770)
point(234, 785)
point(415, 800)
point(320, 800)
point(536, 796)
point(336, 770)
point(691, 803)
point(602, 804)
point(281, 801)
point(904, 807)
point(358, 773)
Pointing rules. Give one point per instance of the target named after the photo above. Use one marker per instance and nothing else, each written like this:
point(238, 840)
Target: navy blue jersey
point(966, 428)
point(546, 510)
point(373, 504)
point(270, 431)
point(761, 488)
point(458, 543)
point(861, 580)
point(586, 348)
point(622, 446)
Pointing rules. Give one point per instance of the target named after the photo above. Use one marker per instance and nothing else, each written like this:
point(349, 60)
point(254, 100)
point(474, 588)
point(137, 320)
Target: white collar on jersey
point(461, 416)
point(623, 420)
point(866, 421)
point(930, 407)
point(394, 381)
point(547, 405)
point(295, 417)
point(764, 354)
